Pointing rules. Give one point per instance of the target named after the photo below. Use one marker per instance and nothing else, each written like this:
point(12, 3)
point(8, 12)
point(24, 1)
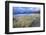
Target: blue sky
point(25, 10)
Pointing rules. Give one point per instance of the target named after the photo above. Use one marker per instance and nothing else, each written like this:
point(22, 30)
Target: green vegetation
point(25, 21)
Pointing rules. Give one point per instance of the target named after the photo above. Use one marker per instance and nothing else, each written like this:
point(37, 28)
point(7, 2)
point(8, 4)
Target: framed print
point(24, 17)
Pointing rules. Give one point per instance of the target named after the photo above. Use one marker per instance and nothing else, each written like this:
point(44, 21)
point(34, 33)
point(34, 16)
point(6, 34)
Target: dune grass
point(25, 21)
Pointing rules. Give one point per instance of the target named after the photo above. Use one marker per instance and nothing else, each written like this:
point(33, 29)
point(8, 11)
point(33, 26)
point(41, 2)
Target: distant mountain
point(25, 10)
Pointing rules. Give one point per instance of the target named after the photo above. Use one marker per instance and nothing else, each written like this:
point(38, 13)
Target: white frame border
point(11, 29)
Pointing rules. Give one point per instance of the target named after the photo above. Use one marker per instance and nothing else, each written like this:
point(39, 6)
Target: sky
point(25, 10)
